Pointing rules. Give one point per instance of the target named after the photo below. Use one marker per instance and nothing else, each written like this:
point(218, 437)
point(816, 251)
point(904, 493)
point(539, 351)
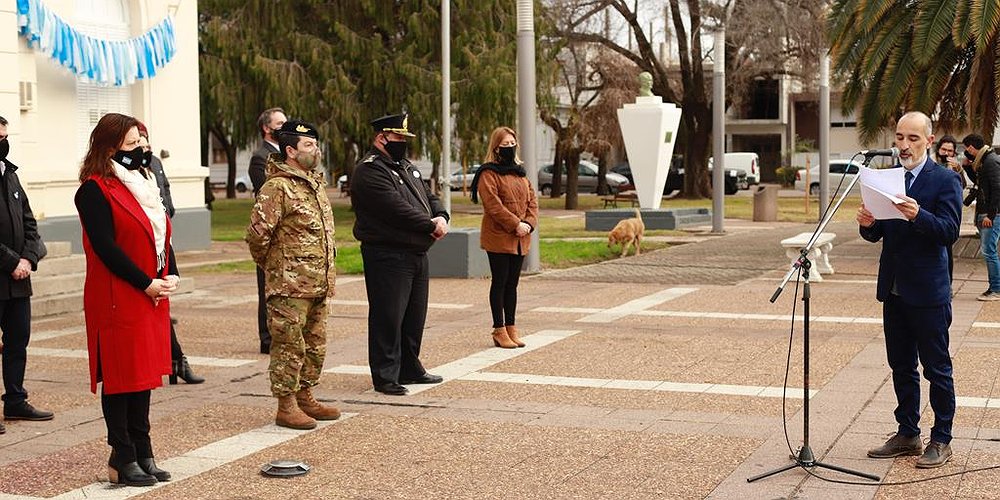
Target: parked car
point(586, 181)
point(747, 162)
point(243, 183)
point(458, 178)
point(839, 169)
point(675, 177)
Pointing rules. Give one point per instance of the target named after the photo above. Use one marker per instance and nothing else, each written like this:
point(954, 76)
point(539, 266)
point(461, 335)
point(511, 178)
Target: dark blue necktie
point(908, 176)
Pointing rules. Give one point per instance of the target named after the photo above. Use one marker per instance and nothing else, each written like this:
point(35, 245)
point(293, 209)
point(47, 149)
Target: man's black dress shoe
point(426, 378)
point(392, 389)
point(24, 411)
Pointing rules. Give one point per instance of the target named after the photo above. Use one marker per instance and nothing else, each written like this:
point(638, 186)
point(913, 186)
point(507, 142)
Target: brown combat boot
point(501, 339)
point(315, 409)
point(289, 415)
point(512, 333)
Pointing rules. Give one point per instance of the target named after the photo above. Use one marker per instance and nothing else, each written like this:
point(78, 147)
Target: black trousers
point(397, 285)
point(262, 331)
point(15, 323)
point(127, 418)
point(506, 271)
point(175, 347)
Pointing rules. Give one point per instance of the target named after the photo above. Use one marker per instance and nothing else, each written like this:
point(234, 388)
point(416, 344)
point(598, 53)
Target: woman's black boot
point(130, 475)
point(149, 467)
point(182, 370)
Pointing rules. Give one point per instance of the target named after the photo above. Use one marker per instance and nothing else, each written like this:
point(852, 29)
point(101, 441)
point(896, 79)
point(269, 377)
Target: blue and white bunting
point(108, 62)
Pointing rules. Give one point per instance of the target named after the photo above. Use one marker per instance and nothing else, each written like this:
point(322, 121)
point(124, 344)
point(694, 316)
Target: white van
point(747, 162)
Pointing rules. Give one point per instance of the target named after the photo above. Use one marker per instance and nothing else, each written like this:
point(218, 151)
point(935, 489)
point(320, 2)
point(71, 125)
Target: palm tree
point(941, 57)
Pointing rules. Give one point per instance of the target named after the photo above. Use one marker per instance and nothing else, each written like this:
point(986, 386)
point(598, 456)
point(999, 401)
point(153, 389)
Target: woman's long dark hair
point(105, 140)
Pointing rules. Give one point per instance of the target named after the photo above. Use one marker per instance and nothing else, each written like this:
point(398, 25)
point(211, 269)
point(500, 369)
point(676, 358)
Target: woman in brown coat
point(510, 214)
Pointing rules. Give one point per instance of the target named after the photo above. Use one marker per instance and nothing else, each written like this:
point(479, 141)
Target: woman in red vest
point(130, 275)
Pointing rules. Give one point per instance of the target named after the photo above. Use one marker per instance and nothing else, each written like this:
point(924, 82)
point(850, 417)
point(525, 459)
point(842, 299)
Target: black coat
point(393, 205)
point(988, 181)
point(258, 165)
point(18, 235)
point(156, 166)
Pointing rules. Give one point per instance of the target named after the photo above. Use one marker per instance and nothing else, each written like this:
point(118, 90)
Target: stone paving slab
point(487, 437)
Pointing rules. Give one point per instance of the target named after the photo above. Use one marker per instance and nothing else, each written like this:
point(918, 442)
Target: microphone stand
point(806, 458)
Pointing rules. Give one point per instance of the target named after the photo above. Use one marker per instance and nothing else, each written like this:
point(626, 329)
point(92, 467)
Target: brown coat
point(507, 201)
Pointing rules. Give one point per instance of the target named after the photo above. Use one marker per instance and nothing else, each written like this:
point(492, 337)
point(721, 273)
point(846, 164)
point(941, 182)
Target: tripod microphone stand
point(806, 458)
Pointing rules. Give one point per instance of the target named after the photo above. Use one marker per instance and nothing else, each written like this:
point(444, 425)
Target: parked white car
point(839, 169)
point(747, 162)
point(243, 183)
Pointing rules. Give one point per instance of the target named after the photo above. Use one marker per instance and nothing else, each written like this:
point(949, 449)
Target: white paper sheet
point(879, 189)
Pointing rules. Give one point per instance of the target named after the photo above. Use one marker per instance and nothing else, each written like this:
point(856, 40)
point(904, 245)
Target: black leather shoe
point(265, 348)
point(24, 411)
point(392, 389)
point(130, 475)
point(426, 378)
point(149, 467)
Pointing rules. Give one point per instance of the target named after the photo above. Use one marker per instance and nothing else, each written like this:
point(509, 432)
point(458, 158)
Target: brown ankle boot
point(500, 338)
point(512, 333)
point(289, 415)
point(315, 409)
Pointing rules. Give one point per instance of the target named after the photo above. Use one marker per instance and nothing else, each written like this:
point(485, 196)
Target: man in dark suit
point(20, 250)
point(269, 122)
point(915, 290)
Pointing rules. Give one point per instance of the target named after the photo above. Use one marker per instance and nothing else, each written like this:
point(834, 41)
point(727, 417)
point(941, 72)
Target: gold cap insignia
point(302, 128)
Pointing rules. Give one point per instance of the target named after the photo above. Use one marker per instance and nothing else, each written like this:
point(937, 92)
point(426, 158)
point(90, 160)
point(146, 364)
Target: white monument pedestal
point(649, 128)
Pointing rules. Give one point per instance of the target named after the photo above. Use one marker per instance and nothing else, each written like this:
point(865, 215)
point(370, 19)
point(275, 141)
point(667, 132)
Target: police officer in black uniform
point(398, 219)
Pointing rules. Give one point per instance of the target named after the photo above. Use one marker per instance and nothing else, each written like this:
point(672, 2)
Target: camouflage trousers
point(298, 342)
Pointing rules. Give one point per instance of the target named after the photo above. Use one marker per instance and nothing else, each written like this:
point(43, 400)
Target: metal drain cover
point(285, 468)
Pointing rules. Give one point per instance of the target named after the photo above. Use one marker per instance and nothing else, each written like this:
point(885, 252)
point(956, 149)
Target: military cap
point(392, 123)
point(298, 127)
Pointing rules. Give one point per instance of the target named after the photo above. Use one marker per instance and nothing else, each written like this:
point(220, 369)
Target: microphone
point(868, 153)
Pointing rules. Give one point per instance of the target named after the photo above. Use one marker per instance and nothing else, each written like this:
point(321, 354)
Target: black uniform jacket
point(392, 204)
point(18, 235)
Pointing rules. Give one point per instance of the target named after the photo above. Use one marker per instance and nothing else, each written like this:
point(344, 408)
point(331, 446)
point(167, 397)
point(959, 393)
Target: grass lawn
point(230, 218)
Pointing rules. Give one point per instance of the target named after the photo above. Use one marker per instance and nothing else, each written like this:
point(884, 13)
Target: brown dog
point(628, 232)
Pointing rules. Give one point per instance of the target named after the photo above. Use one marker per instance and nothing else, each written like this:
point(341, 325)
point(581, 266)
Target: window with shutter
point(108, 19)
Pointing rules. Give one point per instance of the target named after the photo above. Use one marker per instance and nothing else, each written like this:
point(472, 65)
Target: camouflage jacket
point(291, 233)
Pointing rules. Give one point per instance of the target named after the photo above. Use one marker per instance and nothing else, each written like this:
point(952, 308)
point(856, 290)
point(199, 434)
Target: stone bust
point(645, 84)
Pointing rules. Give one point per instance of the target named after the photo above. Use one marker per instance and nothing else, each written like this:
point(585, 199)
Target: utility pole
point(719, 131)
point(526, 110)
point(444, 173)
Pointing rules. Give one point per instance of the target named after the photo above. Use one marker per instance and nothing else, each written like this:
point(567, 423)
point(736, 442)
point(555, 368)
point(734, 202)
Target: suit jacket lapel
point(921, 179)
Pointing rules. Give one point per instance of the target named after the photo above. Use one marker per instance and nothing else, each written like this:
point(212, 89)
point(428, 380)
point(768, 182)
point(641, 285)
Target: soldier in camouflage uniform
point(291, 238)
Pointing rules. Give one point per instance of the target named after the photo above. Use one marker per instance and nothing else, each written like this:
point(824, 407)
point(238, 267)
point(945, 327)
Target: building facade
point(53, 100)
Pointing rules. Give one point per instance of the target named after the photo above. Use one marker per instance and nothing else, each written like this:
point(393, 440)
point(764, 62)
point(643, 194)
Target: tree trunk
point(556, 189)
point(572, 178)
point(602, 173)
point(697, 121)
point(230, 159)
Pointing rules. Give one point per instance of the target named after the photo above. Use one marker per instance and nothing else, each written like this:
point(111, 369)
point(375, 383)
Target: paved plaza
point(657, 376)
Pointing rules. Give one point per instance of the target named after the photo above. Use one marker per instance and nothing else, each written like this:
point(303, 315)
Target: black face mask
point(396, 150)
point(4, 149)
point(147, 158)
point(131, 160)
point(506, 154)
point(970, 156)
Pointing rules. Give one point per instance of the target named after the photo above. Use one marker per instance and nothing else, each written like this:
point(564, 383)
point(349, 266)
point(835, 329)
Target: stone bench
point(819, 255)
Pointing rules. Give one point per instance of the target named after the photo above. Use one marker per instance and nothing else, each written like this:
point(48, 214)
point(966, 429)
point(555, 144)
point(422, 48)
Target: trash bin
point(765, 203)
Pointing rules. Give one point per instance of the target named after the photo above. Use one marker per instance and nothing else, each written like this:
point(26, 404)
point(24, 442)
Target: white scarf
point(147, 193)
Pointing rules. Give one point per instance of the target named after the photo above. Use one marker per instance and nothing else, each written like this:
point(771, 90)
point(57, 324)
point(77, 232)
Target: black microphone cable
point(794, 455)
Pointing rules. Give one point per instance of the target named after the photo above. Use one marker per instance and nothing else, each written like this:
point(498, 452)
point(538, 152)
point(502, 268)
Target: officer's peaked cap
point(392, 123)
point(298, 127)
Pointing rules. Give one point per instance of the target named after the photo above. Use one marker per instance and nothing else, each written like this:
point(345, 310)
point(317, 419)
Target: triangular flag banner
point(108, 62)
